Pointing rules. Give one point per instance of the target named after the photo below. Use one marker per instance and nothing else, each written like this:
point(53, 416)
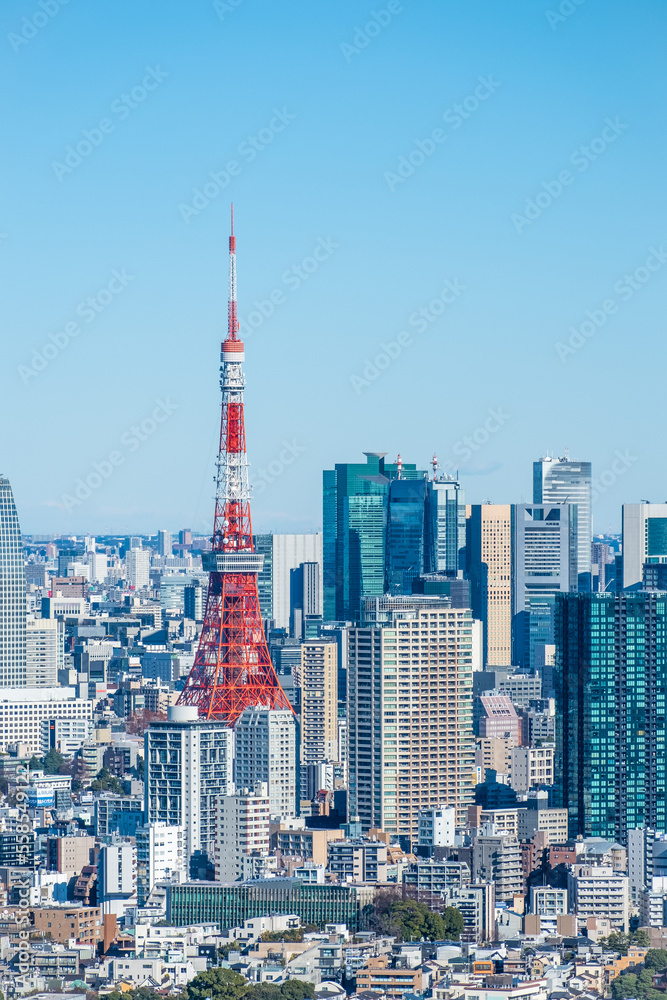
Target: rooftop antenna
point(434, 463)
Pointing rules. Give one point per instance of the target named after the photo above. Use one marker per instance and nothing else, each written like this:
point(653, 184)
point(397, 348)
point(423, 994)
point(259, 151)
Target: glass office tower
point(406, 534)
point(446, 527)
point(354, 501)
point(545, 562)
point(559, 480)
point(611, 683)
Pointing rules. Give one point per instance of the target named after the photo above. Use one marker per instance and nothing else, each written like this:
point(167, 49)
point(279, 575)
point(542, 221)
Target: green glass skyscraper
point(355, 497)
point(611, 683)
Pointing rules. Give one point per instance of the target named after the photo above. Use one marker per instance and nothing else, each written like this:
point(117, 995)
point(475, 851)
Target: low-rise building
point(437, 877)
point(378, 974)
point(358, 860)
point(82, 924)
point(539, 817)
point(599, 891)
point(534, 989)
point(307, 844)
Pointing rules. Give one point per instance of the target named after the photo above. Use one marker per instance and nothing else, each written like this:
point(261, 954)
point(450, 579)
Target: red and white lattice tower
point(232, 668)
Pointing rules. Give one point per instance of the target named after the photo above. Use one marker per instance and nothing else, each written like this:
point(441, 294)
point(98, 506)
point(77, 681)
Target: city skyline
point(457, 274)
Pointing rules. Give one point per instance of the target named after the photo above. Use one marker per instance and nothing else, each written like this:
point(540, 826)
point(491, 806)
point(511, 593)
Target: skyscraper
point(446, 526)
point(644, 540)
point(187, 763)
point(164, 543)
point(138, 563)
point(489, 559)
point(12, 593)
point(317, 681)
point(355, 500)
point(406, 534)
point(409, 706)
point(282, 555)
point(545, 562)
point(305, 596)
point(263, 545)
point(265, 751)
point(559, 480)
point(611, 684)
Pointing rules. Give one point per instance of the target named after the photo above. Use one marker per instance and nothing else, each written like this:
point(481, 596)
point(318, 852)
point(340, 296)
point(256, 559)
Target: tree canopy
point(655, 958)
point(636, 987)
point(620, 942)
point(411, 921)
point(106, 782)
point(225, 984)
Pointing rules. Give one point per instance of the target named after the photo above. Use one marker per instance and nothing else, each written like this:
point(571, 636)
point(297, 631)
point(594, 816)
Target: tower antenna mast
point(232, 669)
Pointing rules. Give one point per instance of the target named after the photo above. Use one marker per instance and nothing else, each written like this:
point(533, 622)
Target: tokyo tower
point(232, 668)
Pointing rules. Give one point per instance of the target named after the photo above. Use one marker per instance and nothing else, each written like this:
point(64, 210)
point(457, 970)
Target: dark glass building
point(406, 534)
point(354, 508)
point(611, 683)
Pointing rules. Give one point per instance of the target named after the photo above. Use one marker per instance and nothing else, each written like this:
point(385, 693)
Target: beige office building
point(490, 567)
point(493, 753)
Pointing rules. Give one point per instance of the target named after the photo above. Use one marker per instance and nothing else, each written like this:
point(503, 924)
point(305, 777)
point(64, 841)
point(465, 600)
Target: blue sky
point(533, 200)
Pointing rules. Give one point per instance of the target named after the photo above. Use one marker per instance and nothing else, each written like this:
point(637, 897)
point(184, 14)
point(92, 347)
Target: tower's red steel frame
point(232, 668)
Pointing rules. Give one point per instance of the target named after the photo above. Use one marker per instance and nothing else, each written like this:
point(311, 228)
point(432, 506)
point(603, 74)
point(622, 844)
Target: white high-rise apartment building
point(644, 539)
point(241, 829)
point(409, 714)
point(160, 857)
point(265, 742)
point(560, 480)
point(289, 551)
point(117, 875)
point(45, 651)
point(188, 762)
point(12, 593)
point(138, 566)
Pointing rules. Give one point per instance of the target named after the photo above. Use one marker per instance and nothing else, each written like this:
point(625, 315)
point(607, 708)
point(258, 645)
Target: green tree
point(106, 782)
point(217, 984)
point(617, 942)
point(624, 987)
point(297, 989)
point(655, 958)
point(434, 926)
point(264, 991)
point(52, 762)
point(640, 938)
point(412, 921)
point(35, 764)
point(453, 919)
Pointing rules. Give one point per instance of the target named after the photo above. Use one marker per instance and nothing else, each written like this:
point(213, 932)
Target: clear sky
point(498, 164)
